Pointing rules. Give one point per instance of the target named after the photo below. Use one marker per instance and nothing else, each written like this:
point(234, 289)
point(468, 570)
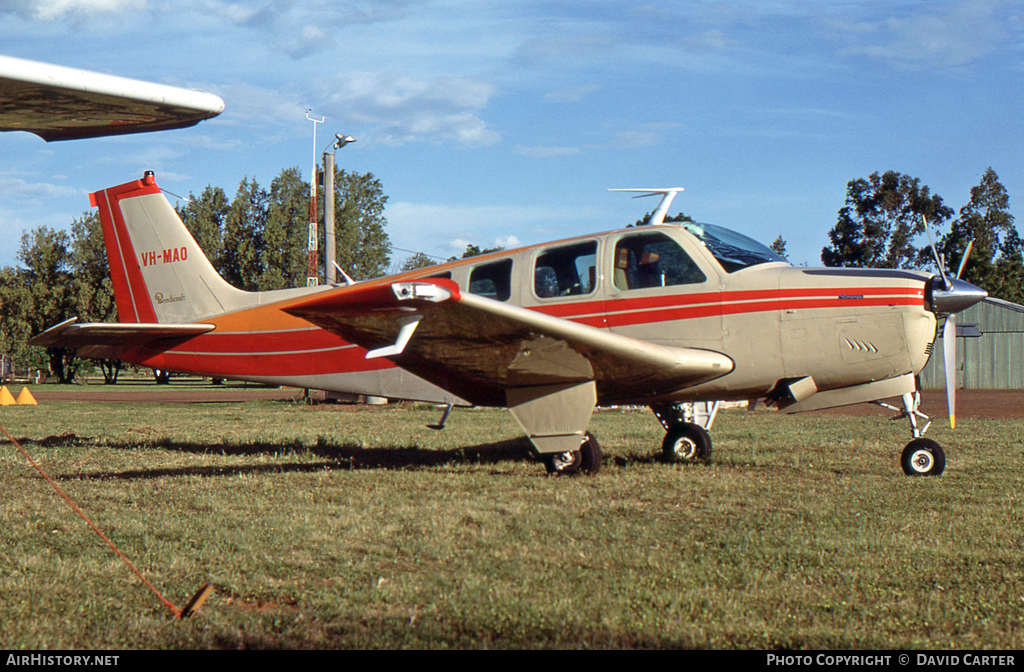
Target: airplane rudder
point(130, 294)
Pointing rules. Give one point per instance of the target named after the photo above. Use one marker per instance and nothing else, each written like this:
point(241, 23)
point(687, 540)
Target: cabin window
point(492, 280)
point(566, 271)
point(653, 260)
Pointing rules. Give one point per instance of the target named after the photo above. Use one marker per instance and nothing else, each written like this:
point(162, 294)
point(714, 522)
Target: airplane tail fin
point(159, 272)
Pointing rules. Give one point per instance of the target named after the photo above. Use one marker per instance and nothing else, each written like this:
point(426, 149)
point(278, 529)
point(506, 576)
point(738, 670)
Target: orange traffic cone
point(6, 399)
point(25, 398)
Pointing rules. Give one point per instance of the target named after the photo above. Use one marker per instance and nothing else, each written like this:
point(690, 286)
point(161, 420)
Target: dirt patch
point(169, 395)
point(969, 403)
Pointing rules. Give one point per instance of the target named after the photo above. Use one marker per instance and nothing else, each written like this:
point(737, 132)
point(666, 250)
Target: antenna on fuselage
point(658, 216)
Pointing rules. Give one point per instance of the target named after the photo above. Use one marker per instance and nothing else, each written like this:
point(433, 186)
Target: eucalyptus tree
point(880, 220)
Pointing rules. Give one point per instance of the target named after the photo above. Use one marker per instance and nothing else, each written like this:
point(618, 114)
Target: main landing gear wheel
point(923, 457)
point(686, 442)
point(586, 460)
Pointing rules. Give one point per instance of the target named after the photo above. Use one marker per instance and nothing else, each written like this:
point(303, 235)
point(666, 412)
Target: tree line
point(885, 214)
point(257, 241)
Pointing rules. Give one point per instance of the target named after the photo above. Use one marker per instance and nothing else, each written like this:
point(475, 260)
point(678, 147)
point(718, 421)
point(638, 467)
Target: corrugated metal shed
point(990, 349)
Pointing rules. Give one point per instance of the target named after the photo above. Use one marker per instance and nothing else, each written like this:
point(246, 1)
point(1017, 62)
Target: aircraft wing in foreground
point(60, 103)
point(545, 369)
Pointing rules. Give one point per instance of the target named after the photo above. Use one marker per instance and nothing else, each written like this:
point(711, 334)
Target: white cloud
point(48, 10)
point(401, 109)
point(307, 27)
point(446, 229)
point(954, 36)
point(14, 185)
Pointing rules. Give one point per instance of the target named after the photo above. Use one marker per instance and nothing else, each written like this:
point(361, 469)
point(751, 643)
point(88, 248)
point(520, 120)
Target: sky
point(505, 122)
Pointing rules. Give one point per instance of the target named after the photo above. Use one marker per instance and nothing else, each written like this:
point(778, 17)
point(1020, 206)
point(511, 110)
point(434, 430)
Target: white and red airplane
point(661, 315)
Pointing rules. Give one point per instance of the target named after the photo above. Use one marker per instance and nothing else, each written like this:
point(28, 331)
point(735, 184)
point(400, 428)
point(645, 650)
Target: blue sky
point(505, 122)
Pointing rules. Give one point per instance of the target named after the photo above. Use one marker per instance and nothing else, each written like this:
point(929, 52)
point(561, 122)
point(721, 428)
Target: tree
point(997, 256)
point(93, 292)
point(475, 251)
point(418, 260)
point(46, 275)
point(16, 305)
point(286, 232)
point(678, 218)
point(362, 245)
point(779, 247)
point(205, 216)
point(241, 258)
point(879, 221)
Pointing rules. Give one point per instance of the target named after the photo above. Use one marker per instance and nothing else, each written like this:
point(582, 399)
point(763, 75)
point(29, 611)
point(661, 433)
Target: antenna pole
point(313, 261)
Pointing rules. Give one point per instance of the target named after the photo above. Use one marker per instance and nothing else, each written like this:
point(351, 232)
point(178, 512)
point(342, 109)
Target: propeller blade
point(949, 361)
point(963, 261)
point(935, 253)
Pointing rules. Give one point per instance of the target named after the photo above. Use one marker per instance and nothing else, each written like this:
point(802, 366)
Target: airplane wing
point(105, 340)
point(479, 348)
point(58, 103)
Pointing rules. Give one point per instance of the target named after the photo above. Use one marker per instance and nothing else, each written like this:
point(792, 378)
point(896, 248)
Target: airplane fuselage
point(842, 327)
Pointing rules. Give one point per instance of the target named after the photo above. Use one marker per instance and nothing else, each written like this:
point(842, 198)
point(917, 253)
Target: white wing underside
point(59, 103)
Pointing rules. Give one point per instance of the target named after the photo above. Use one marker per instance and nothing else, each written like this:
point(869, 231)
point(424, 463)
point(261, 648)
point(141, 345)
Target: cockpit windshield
point(734, 251)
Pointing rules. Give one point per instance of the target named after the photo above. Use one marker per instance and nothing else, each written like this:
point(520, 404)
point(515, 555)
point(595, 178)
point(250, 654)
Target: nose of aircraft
point(954, 295)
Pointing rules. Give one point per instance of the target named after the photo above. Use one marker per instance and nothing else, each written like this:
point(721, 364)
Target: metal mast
point(313, 260)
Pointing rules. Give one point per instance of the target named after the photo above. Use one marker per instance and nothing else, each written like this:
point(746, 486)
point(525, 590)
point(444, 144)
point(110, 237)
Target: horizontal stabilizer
point(121, 335)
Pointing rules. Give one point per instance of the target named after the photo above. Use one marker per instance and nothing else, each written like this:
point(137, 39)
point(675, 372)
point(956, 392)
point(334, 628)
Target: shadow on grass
point(345, 456)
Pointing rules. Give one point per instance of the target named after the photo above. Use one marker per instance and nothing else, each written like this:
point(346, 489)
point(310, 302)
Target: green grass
point(325, 526)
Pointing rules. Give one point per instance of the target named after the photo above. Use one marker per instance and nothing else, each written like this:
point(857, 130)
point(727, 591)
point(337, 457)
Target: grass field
point(328, 526)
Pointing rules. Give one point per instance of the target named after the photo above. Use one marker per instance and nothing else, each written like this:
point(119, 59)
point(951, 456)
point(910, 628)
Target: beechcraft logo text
point(165, 257)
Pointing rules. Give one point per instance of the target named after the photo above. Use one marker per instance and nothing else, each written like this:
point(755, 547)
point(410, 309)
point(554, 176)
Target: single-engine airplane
point(660, 315)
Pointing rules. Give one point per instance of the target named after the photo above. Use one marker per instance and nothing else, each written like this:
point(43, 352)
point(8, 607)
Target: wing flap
point(480, 348)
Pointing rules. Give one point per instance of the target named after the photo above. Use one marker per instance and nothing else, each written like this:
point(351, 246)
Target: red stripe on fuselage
point(654, 309)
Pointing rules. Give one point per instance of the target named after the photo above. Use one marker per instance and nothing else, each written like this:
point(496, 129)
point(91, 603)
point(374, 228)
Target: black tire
point(686, 442)
point(586, 460)
point(923, 457)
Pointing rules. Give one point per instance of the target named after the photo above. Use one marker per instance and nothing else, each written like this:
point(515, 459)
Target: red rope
point(167, 603)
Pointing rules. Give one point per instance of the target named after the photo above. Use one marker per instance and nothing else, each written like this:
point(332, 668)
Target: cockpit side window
point(653, 260)
point(566, 271)
point(493, 280)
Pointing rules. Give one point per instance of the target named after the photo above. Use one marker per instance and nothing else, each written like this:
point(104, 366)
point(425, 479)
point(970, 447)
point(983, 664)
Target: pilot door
point(658, 290)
